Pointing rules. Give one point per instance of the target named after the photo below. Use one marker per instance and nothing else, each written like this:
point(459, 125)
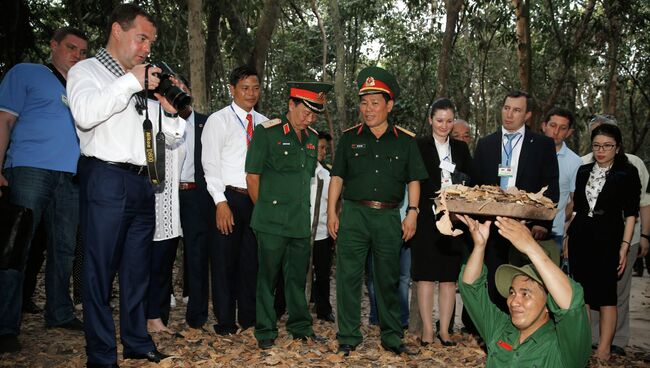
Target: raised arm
point(557, 283)
point(480, 233)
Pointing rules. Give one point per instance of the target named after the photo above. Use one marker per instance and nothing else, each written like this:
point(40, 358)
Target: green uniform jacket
point(564, 341)
point(285, 166)
point(376, 169)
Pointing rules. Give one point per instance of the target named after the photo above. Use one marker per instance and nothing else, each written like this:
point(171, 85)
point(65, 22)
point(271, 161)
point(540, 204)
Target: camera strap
point(147, 127)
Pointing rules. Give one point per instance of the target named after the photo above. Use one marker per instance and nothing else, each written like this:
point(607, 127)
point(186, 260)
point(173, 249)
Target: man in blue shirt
point(39, 166)
point(558, 125)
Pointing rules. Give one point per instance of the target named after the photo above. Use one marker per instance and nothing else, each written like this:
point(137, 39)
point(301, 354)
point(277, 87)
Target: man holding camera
point(116, 192)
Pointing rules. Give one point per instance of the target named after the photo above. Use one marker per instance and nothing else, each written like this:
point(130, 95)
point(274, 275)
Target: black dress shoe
point(30, 307)
point(99, 365)
point(617, 350)
point(326, 317)
point(153, 356)
point(265, 344)
point(446, 342)
point(423, 343)
point(315, 338)
point(346, 349)
point(9, 344)
point(401, 349)
point(73, 325)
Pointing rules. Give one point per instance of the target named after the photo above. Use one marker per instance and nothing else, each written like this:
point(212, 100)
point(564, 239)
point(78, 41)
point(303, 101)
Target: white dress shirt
point(187, 172)
point(108, 124)
point(323, 174)
point(224, 149)
point(517, 143)
point(444, 151)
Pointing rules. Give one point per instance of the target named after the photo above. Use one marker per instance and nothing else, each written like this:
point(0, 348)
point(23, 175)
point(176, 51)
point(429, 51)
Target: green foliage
point(405, 37)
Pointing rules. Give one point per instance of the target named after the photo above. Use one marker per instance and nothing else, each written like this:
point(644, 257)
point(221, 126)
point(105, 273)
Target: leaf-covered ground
point(203, 348)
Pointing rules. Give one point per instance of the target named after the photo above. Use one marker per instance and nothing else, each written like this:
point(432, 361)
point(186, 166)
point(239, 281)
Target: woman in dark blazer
point(606, 202)
point(437, 257)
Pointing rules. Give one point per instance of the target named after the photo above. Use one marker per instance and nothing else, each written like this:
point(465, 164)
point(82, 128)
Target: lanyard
point(509, 154)
point(242, 124)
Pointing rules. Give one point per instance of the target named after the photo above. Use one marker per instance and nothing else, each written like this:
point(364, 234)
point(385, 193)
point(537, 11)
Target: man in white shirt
point(638, 248)
point(323, 245)
point(116, 195)
point(558, 125)
point(226, 137)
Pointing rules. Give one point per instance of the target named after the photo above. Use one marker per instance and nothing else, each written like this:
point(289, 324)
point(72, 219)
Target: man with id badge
point(226, 138)
point(515, 156)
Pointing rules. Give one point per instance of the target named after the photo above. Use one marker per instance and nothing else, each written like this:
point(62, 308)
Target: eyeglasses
point(605, 147)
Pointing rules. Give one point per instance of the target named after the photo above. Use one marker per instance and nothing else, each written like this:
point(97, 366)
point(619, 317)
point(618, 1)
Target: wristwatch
point(413, 208)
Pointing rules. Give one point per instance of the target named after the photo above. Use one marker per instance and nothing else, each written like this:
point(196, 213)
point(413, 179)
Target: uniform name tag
point(448, 166)
point(505, 171)
point(357, 146)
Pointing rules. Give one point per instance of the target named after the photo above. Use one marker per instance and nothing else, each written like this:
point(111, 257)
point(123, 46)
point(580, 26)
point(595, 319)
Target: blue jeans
point(403, 290)
point(54, 200)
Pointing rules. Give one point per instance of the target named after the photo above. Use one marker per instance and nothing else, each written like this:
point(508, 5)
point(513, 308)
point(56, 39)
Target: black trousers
point(322, 263)
point(199, 229)
point(163, 255)
point(235, 271)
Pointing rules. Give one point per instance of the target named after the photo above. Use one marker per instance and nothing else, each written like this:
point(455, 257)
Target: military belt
point(378, 205)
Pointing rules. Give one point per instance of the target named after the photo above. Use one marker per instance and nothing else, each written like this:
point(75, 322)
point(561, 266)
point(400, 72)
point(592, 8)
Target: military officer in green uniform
point(279, 165)
point(374, 161)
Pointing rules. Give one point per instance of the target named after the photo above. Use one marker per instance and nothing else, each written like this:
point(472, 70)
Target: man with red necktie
point(226, 137)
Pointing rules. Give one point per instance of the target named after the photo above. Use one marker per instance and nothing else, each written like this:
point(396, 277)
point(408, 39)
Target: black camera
point(176, 96)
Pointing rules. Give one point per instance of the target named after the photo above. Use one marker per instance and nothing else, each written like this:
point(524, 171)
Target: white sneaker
point(172, 301)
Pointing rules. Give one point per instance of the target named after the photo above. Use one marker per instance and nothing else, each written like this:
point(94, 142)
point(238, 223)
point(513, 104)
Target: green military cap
point(312, 94)
point(507, 272)
point(374, 79)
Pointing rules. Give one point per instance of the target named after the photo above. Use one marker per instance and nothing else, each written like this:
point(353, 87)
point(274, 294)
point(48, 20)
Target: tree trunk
point(524, 56)
point(265, 29)
point(196, 46)
point(325, 77)
point(214, 69)
point(453, 9)
point(339, 74)
point(568, 54)
point(612, 11)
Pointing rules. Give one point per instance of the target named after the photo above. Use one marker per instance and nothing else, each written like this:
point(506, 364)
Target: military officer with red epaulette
point(279, 164)
point(375, 160)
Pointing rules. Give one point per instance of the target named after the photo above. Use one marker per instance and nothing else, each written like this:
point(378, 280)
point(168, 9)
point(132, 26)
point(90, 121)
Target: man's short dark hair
point(515, 93)
point(560, 111)
point(241, 72)
point(62, 32)
point(324, 135)
point(125, 14)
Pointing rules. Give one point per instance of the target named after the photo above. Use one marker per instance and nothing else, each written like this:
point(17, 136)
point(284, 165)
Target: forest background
point(590, 56)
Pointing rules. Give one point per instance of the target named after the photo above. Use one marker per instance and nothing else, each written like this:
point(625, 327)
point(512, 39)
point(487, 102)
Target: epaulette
point(271, 123)
point(405, 131)
point(313, 130)
point(352, 127)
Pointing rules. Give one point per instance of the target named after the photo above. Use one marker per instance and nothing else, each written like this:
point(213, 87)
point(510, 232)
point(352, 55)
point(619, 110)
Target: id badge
point(448, 166)
point(445, 182)
point(505, 171)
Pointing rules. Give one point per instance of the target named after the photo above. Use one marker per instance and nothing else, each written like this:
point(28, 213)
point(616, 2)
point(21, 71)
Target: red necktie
point(249, 129)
